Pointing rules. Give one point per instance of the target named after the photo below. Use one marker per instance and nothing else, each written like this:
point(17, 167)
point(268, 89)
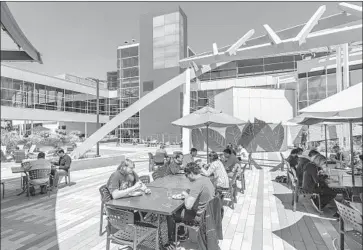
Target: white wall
point(269, 105)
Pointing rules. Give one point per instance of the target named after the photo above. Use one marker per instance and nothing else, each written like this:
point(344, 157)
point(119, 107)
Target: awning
point(9, 25)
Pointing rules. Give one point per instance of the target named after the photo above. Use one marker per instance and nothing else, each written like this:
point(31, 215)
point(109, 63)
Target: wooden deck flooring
point(261, 220)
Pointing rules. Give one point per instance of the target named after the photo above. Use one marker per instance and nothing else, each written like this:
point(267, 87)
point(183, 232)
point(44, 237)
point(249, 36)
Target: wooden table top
point(157, 202)
point(178, 181)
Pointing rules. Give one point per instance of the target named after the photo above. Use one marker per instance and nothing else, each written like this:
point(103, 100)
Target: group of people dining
point(63, 164)
point(310, 171)
point(202, 188)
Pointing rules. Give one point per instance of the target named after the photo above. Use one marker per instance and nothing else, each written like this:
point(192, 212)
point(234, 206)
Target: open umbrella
point(345, 106)
point(207, 117)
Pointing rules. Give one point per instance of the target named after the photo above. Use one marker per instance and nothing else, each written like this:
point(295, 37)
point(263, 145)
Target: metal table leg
point(23, 185)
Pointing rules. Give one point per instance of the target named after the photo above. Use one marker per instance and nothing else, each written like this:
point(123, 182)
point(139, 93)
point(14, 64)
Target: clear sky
point(81, 38)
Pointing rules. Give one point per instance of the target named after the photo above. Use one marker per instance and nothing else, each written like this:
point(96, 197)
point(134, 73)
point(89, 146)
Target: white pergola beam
point(215, 49)
point(314, 40)
point(351, 9)
point(301, 37)
point(273, 36)
point(232, 50)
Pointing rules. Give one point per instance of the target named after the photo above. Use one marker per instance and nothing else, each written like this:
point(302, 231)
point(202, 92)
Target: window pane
point(303, 104)
point(158, 21)
point(130, 72)
point(250, 62)
point(275, 59)
point(303, 90)
point(130, 62)
point(317, 88)
point(158, 31)
point(331, 84)
point(130, 52)
point(6, 83)
point(355, 77)
point(17, 84)
point(250, 70)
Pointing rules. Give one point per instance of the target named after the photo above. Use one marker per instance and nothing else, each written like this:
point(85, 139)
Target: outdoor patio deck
point(69, 219)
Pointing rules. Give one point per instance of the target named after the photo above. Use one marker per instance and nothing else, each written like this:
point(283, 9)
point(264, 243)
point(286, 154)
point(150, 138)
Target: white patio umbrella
point(345, 106)
point(207, 117)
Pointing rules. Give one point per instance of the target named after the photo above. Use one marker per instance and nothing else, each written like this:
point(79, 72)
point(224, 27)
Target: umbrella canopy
point(346, 104)
point(209, 117)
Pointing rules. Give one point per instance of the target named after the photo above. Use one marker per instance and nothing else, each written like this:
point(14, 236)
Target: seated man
point(230, 160)
point(314, 183)
point(300, 168)
point(293, 157)
point(64, 164)
point(195, 200)
point(339, 156)
point(40, 163)
point(217, 169)
point(242, 154)
point(189, 157)
point(175, 165)
point(162, 151)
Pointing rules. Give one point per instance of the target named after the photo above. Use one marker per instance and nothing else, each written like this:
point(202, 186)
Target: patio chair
point(231, 194)
point(3, 184)
point(159, 159)
point(156, 175)
point(105, 197)
point(128, 233)
point(198, 226)
point(37, 174)
point(67, 175)
point(353, 217)
point(151, 162)
point(243, 179)
point(296, 191)
point(145, 179)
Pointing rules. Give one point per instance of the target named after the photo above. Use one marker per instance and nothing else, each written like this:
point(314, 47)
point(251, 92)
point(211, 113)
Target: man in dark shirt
point(175, 165)
point(230, 160)
point(195, 199)
point(300, 168)
point(64, 164)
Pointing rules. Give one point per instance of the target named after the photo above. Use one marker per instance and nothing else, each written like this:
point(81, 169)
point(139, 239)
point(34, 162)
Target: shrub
point(10, 139)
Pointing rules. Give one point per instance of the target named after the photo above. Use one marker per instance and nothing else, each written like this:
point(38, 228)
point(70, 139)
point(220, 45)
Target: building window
point(148, 86)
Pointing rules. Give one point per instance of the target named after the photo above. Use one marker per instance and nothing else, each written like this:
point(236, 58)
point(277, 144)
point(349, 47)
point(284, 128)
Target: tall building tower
point(163, 39)
point(128, 90)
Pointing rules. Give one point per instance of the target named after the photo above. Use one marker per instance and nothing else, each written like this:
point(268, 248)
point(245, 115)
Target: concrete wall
point(269, 105)
point(156, 118)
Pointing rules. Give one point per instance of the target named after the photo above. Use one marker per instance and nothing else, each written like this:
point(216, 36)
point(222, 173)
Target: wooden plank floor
point(261, 220)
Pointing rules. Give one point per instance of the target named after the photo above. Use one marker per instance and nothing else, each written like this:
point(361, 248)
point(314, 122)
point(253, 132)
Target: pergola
point(27, 52)
point(335, 30)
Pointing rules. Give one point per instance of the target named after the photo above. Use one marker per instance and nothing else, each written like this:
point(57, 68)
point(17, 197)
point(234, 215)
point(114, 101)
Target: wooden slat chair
point(351, 216)
point(37, 174)
point(128, 233)
point(145, 179)
point(297, 191)
point(156, 175)
point(288, 170)
point(231, 195)
point(105, 197)
point(159, 159)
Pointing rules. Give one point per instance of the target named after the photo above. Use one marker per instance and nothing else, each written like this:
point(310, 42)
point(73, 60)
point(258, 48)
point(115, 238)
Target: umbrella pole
point(351, 151)
point(207, 144)
point(326, 142)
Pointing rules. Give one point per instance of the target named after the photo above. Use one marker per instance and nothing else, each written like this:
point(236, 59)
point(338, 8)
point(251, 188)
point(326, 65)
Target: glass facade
point(23, 94)
point(112, 83)
point(128, 92)
point(168, 40)
point(317, 85)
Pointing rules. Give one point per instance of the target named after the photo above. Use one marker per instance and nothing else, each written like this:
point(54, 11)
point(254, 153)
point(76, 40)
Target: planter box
point(99, 162)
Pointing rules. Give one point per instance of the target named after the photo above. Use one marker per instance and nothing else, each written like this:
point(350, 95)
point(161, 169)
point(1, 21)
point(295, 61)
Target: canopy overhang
point(10, 26)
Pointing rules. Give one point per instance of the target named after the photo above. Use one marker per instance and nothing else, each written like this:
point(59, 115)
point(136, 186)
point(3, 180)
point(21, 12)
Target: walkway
point(262, 220)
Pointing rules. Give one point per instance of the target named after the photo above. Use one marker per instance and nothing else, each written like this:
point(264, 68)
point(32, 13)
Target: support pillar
point(85, 130)
point(186, 111)
point(32, 127)
point(345, 86)
point(339, 69)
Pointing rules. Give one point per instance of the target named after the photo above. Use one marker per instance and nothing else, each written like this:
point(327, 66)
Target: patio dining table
point(158, 202)
point(340, 180)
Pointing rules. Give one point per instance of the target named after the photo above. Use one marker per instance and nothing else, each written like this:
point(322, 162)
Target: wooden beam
point(273, 36)
point(232, 50)
point(301, 37)
point(215, 49)
point(351, 9)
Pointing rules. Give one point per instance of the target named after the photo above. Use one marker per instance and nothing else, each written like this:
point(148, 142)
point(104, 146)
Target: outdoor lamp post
point(97, 81)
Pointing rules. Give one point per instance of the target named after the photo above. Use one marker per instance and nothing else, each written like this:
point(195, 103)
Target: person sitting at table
point(293, 158)
point(242, 154)
point(314, 182)
point(64, 164)
point(339, 156)
point(40, 163)
point(230, 160)
point(162, 151)
point(189, 157)
point(232, 148)
point(195, 201)
point(124, 181)
point(217, 169)
point(175, 165)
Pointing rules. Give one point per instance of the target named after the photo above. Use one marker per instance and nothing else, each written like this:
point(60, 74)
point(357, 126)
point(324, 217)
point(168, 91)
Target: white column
point(186, 111)
point(345, 66)
point(339, 69)
point(32, 126)
point(85, 130)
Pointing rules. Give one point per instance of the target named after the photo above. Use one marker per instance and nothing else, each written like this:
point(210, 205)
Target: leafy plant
point(10, 139)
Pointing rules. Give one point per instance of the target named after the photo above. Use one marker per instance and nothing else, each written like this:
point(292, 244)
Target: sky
point(81, 38)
